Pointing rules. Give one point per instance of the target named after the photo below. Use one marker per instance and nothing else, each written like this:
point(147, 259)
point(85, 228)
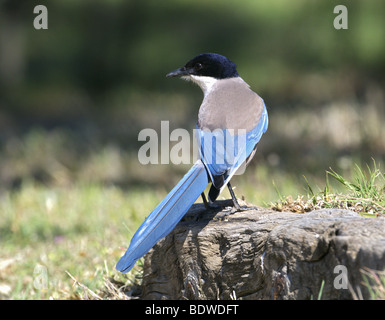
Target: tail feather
point(163, 219)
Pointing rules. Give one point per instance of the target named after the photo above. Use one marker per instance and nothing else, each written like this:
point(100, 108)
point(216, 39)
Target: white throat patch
point(206, 83)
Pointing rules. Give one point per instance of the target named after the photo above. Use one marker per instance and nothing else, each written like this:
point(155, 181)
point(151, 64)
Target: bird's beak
point(179, 72)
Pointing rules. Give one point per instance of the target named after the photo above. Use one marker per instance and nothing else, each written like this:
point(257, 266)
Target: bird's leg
point(205, 202)
point(233, 197)
point(237, 207)
point(208, 204)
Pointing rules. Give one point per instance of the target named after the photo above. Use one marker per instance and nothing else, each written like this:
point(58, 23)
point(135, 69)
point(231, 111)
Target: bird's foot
point(231, 210)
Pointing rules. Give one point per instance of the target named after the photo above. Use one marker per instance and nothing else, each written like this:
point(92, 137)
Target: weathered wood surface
point(264, 254)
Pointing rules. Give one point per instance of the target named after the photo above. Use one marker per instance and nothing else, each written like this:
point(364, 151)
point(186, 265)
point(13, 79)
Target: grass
point(66, 216)
point(65, 233)
point(319, 297)
point(63, 243)
point(58, 235)
point(364, 195)
point(375, 282)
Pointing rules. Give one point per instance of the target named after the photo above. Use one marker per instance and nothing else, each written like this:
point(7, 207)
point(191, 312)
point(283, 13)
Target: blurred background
point(73, 98)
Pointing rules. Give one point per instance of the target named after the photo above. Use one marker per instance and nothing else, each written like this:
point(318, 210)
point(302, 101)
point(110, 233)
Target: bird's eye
point(198, 66)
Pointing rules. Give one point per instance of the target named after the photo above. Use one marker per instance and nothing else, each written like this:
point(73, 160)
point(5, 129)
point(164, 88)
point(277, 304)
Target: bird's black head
point(209, 65)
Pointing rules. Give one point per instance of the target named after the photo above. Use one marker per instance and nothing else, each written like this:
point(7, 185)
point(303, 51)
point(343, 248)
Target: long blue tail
point(163, 219)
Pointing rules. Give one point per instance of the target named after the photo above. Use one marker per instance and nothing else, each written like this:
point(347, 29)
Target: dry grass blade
point(115, 290)
point(85, 289)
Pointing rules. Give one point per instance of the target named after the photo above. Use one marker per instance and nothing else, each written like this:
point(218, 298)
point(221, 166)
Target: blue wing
point(224, 152)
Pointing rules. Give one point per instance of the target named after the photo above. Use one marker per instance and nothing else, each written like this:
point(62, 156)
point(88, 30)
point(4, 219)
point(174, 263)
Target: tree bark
point(264, 254)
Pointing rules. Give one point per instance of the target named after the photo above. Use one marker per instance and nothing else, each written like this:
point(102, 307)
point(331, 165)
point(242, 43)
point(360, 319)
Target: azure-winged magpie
point(231, 121)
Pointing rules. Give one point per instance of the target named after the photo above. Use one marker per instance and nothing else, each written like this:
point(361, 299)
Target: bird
point(231, 121)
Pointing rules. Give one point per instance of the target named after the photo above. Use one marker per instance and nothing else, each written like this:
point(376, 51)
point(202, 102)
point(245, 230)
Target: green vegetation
point(375, 282)
point(365, 195)
point(73, 99)
point(62, 242)
point(79, 231)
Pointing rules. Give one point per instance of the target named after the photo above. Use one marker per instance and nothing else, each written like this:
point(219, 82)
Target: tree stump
point(264, 254)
